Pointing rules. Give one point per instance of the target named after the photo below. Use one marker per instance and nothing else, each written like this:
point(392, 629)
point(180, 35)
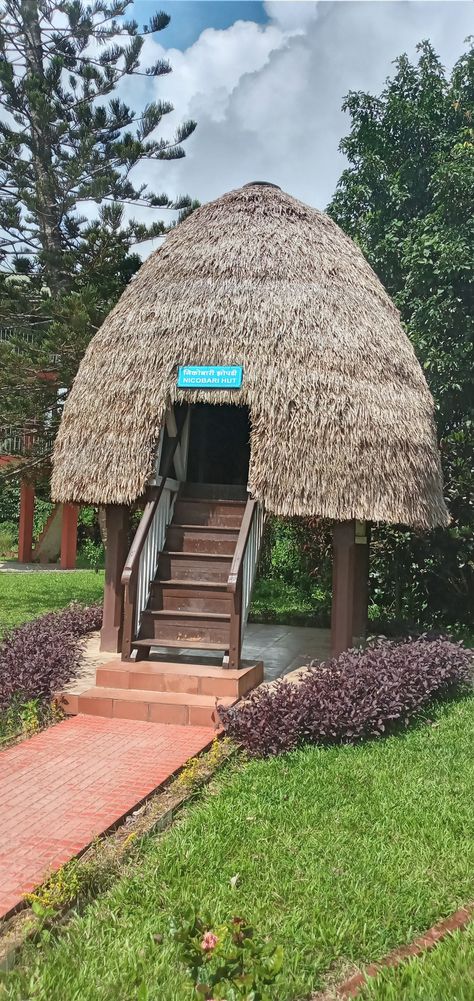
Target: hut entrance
point(219, 444)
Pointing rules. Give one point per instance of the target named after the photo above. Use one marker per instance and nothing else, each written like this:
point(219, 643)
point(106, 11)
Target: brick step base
point(152, 707)
point(162, 691)
point(193, 679)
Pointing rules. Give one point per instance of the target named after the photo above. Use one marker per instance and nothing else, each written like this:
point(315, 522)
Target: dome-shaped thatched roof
point(341, 417)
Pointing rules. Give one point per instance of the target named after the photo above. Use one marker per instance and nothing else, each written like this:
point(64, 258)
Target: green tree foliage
point(407, 197)
point(69, 152)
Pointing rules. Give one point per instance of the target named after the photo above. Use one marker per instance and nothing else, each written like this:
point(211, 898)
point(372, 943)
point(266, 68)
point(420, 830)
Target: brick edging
point(455, 922)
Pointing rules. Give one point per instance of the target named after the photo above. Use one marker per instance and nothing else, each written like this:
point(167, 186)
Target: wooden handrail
point(237, 562)
point(133, 557)
point(131, 568)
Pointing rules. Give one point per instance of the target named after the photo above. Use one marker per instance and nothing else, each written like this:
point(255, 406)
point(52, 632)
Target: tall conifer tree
point(69, 152)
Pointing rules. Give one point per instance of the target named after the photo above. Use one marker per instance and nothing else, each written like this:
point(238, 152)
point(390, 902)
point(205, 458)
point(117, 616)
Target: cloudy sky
point(265, 83)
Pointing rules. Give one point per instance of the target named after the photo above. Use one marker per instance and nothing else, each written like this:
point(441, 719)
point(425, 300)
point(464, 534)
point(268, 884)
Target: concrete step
point(193, 679)
point(180, 708)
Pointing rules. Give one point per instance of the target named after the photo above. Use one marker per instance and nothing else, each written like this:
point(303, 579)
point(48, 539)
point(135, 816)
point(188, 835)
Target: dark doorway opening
point(219, 444)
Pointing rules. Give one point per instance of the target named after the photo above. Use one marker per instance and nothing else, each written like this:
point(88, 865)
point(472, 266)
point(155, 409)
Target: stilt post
point(70, 515)
point(350, 578)
point(343, 580)
point(361, 582)
point(117, 519)
point(25, 531)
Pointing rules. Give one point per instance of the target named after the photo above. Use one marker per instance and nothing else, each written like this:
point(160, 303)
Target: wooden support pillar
point(70, 514)
point(116, 519)
point(25, 531)
point(361, 582)
point(343, 580)
point(350, 577)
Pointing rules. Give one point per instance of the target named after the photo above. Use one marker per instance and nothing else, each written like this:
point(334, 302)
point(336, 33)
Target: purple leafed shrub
point(40, 656)
point(360, 694)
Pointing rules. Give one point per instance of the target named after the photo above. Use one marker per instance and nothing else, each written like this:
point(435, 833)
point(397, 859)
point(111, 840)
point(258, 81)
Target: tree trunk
point(47, 201)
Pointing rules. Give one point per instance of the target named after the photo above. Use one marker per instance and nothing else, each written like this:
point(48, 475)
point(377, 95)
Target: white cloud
point(268, 98)
point(292, 14)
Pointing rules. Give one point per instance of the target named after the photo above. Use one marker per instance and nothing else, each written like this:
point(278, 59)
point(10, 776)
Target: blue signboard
point(210, 376)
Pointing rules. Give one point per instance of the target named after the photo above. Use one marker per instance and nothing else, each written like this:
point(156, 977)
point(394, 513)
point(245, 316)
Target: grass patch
point(24, 596)
point(446, 972)
point(341, 853)
point(275, 601)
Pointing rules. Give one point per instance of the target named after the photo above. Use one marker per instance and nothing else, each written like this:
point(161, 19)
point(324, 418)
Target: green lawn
point(341, 854)
point(24, 596)
point(285, 604)
point(447, 972)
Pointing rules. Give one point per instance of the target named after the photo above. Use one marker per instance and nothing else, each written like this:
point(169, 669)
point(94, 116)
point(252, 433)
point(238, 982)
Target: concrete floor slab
point(281, 648)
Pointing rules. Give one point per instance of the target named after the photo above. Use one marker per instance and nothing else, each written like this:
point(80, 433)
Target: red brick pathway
point(63, 787)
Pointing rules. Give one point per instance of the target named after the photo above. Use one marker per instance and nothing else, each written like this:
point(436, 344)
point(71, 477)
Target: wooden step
point(197, 511)
point(151, 706)
point(201, 539)
point(196, 566)
point(214, 491)
point(185, 626)
point(147, 644)
point(197, 596)
point(193, 679)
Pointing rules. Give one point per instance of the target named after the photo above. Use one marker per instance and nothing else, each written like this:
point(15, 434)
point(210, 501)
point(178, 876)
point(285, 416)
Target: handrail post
point(117, 521)
point(235, 639)
point(131, 569)
point(129, 610)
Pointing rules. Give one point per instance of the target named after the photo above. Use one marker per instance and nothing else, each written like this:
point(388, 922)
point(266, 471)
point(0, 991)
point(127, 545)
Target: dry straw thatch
point(341, 417)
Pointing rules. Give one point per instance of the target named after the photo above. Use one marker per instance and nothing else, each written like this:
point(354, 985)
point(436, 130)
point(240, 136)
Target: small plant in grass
point(60, 889)
point(358, 695)
point(227, 962)
point(196, 769)
point(77, 879)
point(23, 719)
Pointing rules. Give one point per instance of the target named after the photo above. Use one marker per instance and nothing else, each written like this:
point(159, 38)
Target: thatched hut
point(332, 398)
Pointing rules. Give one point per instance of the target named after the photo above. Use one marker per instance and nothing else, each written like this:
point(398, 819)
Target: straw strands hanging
point(341, 417)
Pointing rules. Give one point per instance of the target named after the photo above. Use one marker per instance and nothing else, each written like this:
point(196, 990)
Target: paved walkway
point(285, 648)
point(11, 566)
point(74, 781)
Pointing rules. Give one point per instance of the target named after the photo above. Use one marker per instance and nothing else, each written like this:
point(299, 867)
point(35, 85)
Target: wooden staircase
point(189, 605)
point(170, 670)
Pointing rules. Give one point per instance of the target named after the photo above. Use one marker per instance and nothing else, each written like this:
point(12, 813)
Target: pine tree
point(68, 140)
point(61, 145)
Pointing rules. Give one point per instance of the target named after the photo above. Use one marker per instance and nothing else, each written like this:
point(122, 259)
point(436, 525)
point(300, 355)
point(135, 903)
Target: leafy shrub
point(294, 572)
point(360, 694)
point(9, 502)
point(41, 514)
point(227, 961)
point(8, 538)
point(93, 554)
point(38, 657)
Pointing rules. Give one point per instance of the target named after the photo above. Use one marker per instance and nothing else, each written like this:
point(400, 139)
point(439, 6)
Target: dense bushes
point(39, 656)
point(360, 694)
point(294, 573)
